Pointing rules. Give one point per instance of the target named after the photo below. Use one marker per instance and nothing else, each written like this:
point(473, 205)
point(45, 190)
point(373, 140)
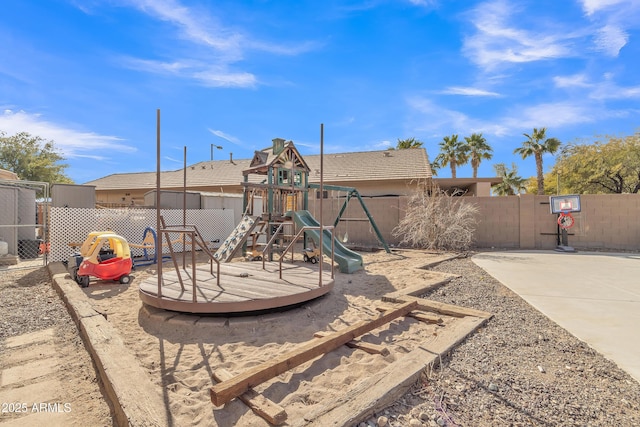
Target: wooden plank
point(254, 289)
point(260, 283)
point(248, 288)
point(231, 288)
point(438, 307)
point(361, 345)
point(380, 390)
point(295, 276)
point(169, 292)
point(425, 287)
point(298, 276)
point(259, 404)
point(270, 267)
point(296, 268)
point(423, 317)
point(426, 318)
point(227, 390)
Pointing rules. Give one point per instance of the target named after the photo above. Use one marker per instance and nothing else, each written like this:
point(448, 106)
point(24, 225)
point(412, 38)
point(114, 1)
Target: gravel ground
point(28, 303)
point(520, 369)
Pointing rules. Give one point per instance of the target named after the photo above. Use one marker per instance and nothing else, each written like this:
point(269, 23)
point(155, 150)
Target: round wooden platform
point(244, 287)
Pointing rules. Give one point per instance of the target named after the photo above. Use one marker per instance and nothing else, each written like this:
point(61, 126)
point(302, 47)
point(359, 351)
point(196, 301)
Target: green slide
point(348, 260)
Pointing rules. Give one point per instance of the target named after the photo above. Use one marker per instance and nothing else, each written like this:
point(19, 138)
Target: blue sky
point(90, 75)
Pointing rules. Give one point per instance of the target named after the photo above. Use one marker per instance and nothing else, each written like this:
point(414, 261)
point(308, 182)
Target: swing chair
point(345, 237)
point(352, 192)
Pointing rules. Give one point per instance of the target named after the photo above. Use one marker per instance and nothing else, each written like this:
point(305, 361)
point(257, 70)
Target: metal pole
point(215, 146)
point(184, 209)
point(158, 225)
point(321, 188)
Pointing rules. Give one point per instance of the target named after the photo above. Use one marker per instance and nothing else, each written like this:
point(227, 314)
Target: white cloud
point(207, 75)
point(216, 78)
point(608, 90)
point(196, 26)
point(614, 19)
point(434, 117)
point(224, 45)
point(224, 136)
point(424, 3)
point(553, 115)
point(171, 159)
point(576, 80)
point(71, 143)
point(592, 6)
point(468, 91)
point(498, 40)
point(436, 120)
point(383, 145)
point(610, 39)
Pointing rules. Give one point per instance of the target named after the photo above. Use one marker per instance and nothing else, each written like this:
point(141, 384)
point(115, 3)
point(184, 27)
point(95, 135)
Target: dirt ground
point(65, 377)
point(518, 369)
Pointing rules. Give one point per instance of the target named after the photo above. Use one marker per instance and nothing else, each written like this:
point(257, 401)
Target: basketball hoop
point(566, 220)
point(566, 205)
point(563, 206)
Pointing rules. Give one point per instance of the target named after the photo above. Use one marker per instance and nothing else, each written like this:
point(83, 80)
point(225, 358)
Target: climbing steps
point(236, 239)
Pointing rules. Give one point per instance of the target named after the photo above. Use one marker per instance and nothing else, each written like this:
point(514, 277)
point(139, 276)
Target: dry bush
point(437, 220)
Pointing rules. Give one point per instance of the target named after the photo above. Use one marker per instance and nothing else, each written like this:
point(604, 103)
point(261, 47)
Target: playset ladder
point(236, 239)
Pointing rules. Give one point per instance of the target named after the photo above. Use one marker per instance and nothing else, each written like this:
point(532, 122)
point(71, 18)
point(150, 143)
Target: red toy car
point(107, 264)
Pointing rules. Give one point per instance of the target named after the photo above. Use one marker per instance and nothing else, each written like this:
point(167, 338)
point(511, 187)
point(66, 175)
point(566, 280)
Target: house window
point(325, 194)
point(283, 176)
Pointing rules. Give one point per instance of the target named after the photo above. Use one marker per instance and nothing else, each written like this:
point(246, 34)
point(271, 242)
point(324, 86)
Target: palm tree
point(511, 184)
point(537, 144)
point(478, 150)
point(408, 143)
point(453, 153)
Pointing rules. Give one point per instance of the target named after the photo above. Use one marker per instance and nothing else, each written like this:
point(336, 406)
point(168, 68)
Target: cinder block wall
point(386, 212)
point(498, 221)
point(610, 221)
point(607, 221)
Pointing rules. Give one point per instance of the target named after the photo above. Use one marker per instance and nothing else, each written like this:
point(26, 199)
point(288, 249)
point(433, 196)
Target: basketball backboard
point(565, 203)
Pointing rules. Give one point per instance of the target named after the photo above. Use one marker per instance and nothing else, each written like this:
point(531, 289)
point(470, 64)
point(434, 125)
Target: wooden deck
point(260, 290)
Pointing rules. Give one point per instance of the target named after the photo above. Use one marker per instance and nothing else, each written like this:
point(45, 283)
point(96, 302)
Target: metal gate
point(24, 235)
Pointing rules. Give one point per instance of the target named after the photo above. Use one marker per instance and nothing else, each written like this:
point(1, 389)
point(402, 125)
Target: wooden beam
point(423, 288)
point(361, 345)
point(438, 307)
point(382, 388)
point(423, 317)
point(426, 318)
point(259, 404)
point(224, 391)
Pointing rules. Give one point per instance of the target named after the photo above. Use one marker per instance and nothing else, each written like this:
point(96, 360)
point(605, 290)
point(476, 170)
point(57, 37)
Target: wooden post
point(259, 404)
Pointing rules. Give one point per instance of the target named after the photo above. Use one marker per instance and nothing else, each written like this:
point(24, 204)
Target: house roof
point(406, 164)
point(288, 156)
point(8, 175)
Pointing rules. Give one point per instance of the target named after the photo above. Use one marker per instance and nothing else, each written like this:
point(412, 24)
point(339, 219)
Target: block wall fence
point(607, 221)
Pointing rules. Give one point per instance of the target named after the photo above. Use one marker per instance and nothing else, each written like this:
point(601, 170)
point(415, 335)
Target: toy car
point(311, 255)
point(96, 260)
point(254, 255)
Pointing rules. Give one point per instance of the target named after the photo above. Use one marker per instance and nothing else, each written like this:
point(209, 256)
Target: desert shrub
point(437, 220)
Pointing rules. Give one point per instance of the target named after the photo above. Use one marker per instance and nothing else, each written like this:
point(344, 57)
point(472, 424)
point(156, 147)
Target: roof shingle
point(407, 164)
